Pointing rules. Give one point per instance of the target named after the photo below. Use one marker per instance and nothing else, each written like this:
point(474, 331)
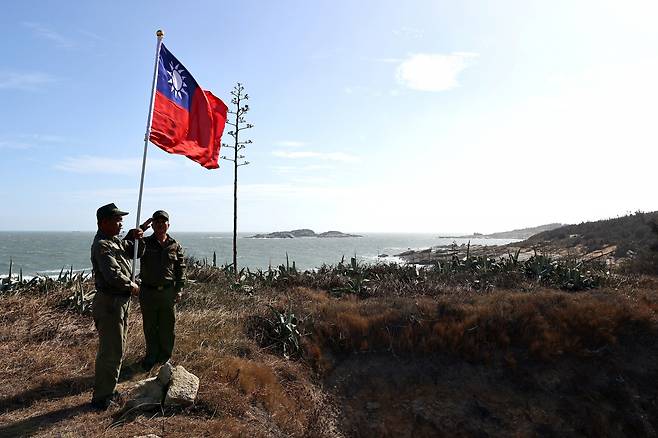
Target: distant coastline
point(522, 233)
point(304, 232)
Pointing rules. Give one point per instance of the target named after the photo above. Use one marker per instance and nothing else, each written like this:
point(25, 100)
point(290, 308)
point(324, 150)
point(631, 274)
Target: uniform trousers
point(110, 312)
point(159, 318)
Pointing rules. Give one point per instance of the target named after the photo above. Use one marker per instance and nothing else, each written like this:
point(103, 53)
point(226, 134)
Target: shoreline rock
point(431, 255)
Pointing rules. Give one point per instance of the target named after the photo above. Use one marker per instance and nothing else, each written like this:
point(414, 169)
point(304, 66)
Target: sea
point(47, 252)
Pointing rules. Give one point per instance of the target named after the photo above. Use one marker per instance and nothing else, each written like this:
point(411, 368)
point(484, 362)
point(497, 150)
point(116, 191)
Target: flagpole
point(160, 35)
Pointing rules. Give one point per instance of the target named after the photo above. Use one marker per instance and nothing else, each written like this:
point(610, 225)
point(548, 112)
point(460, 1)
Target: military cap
point(108, 211)
point(160, 213)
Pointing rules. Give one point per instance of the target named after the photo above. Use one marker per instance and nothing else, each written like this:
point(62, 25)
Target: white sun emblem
point(177, 80)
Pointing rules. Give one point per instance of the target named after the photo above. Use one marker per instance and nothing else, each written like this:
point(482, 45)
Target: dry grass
point(47, 356)
point(541, 325)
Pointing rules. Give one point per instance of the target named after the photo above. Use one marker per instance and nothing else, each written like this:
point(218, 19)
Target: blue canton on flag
point(174, 81)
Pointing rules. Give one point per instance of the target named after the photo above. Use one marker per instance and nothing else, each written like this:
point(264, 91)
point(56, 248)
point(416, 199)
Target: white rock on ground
point(183, 387)
point(148, 392)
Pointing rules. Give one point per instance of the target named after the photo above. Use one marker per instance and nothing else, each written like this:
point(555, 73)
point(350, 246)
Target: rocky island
point(304, 232)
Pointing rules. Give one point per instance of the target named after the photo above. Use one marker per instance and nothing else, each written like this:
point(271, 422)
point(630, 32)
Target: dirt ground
point(502, 364)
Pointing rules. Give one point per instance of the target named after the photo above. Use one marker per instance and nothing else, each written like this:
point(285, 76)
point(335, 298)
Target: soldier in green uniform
point(111, 264)
point(162, 275)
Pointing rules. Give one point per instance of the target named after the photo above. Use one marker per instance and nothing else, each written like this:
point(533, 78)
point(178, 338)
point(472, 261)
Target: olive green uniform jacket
point(110, 260)
point(162, 264)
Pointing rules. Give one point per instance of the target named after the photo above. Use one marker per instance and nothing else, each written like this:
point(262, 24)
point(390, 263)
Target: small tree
point(239, 124)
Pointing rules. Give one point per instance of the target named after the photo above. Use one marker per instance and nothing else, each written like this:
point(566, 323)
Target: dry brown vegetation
point(456, 362)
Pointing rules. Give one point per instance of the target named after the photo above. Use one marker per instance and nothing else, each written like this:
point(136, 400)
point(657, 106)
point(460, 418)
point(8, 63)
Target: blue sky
point(433, 116)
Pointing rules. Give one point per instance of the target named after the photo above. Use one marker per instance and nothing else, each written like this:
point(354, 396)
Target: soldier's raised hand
point(146, 225)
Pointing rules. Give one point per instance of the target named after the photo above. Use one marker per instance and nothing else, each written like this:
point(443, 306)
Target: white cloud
point(45, 138)
point(93, 36)
point(28, 141)
point(301, 169)
point(247, 192)
point(310, 180)
point(386, 60)
point(113, 166)
point(433, 71)
point(8, 144)
point(43, 32)
point(328, 156)
point(291, 143)
point(310, 174)
point(408, 32)
point(24, 81)
point(363, 91)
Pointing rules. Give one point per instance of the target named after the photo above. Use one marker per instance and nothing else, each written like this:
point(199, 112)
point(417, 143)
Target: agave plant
point(282, 331)
point(539, 267)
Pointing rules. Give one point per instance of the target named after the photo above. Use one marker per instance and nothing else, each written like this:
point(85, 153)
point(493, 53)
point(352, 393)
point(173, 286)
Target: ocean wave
point(57, 271)
point(14, 277)
point(387, 259)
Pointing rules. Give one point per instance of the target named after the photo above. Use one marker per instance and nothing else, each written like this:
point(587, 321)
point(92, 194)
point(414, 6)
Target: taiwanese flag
point(187, 120)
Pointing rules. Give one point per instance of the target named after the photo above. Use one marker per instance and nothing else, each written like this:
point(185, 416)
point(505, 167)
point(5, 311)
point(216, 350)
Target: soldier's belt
point(113, 292)
point(159, 286)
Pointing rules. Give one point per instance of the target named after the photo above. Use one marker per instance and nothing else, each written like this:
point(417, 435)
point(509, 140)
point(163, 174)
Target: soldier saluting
point(162, 271)
point(111, 264)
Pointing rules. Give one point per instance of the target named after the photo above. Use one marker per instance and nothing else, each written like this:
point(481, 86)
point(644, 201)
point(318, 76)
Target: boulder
point(173, 386)
point(146, 393)
point(183, 387)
